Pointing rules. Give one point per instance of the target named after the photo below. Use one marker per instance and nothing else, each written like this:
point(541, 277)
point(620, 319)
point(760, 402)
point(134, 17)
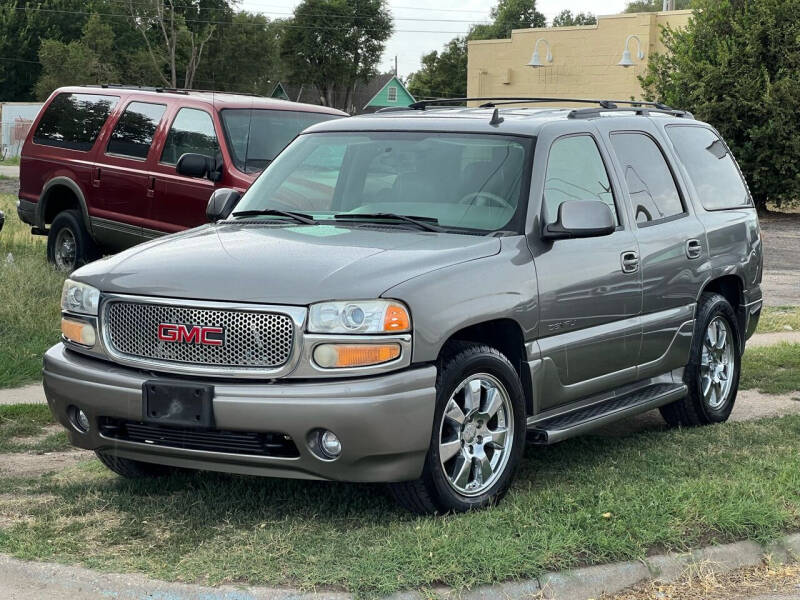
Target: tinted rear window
point(74, 120)
point(711, 167)
point(257, 136)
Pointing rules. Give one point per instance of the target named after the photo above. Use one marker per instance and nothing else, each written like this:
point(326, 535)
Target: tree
point(737, 66)
point(654, 5)
point(508, 15)
point(78, 62)
point(164, 30)
point(442, 75)
point(566, 19)
point(335, 45)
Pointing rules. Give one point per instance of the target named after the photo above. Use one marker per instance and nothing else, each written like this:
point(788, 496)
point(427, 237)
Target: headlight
point(359, 316)
point(80, 298)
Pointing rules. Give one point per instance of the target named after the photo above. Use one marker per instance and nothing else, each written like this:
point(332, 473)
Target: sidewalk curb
point(577, 584)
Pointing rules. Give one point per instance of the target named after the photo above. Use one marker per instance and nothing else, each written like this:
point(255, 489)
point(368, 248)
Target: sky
point(422, 26)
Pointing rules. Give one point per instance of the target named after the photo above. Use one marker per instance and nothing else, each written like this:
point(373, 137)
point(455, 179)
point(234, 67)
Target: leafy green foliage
point(335, 44)
point(737, 66)
point(444, 74)
point(506, 16)
point(78, 62)
point(566, 19)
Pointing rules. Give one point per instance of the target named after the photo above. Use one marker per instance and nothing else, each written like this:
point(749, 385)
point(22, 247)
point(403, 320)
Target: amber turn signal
point(337, 356)
point(396, 319)
point(78, 332)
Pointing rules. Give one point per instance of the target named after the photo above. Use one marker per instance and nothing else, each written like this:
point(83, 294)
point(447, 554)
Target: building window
point(391, 94)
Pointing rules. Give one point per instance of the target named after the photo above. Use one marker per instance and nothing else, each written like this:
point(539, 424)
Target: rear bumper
point(384, 423)
point(751, 309)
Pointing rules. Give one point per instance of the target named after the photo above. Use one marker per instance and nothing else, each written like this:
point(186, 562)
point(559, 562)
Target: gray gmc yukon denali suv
point(408, 297)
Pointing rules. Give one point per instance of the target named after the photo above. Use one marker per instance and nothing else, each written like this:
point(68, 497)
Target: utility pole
point(668, 5)
point(395, 65)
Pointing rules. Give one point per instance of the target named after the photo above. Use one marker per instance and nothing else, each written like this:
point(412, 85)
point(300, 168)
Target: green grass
point(779, 318)
point(13, 161)
point(669, 490)
point(23, 429)
point(30, 291)
point(772, 369)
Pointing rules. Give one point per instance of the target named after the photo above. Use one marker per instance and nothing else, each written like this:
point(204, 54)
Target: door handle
point(96, 178)
point(629, 261)
point(151, 187)
point(694, 248)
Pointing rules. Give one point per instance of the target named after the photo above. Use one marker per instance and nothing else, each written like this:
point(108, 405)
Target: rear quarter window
point(74, 121)
point(711, 167)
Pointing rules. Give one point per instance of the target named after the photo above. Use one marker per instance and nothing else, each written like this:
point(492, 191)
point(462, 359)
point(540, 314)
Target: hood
point(279, 264)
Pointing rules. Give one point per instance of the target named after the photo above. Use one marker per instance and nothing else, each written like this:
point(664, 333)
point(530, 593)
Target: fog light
point(79, 419)
point(330, 444)
point(79, 332)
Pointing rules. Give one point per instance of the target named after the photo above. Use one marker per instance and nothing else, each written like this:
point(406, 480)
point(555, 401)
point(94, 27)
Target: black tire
point(85, 251)
point(133, 469)
point(432, 493)
point(694, 409)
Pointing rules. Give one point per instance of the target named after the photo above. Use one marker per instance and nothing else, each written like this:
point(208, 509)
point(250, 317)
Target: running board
point(582, 420)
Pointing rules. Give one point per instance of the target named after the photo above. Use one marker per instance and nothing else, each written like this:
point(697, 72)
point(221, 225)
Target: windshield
point(256, 136)
point(459, 181)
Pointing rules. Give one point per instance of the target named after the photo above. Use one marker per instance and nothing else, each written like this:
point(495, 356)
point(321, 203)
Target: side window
point(650, 183)
point(133, 133)
point(73, 121)
point(710, 166)
point(575, 171)
point(391, 94)
point(192, 131)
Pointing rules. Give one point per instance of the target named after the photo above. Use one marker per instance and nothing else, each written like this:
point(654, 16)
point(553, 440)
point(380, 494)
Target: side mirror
point(221, 204)
point(580, 219)
point(198, 165)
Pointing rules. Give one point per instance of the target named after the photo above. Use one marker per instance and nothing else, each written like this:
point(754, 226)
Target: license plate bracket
point(177, 403)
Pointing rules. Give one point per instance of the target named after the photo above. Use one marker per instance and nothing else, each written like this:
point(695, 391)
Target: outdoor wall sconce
point(627, 61)
point(536, 62)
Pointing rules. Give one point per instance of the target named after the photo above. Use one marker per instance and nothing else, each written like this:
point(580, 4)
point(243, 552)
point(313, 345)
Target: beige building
point(584, 59)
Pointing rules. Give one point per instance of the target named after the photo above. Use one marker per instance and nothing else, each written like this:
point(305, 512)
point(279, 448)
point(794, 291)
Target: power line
point(234, 24)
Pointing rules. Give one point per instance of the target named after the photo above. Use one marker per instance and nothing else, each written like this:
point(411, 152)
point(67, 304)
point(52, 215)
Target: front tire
point(478, 434)
point(69, 244)
point(712, 374)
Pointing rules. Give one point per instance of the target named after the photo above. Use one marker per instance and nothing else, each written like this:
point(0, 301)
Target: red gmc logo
point(191, 334)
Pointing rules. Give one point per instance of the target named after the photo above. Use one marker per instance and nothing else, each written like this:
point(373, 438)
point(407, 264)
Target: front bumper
point(383, 422)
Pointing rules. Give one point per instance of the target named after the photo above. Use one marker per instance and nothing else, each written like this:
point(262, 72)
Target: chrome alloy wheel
point(476, 434)
point(65, 250)
point(717, 363)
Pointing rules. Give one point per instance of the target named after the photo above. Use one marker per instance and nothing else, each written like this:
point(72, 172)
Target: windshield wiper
point(289, 214)
point(426, 223)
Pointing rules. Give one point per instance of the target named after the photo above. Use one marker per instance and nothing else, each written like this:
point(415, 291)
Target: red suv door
point(179, 201)
point(121, 178)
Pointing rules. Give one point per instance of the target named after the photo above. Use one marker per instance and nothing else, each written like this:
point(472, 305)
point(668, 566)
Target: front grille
point(250, 339)
point(235, 442)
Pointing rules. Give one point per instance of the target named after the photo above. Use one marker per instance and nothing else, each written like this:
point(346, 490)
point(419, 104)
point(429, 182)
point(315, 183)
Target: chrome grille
point(251, 339)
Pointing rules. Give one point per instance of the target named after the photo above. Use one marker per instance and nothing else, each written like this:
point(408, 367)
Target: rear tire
point(478, 434)
point(712, 374)
point(133, 469)
point(69, 244)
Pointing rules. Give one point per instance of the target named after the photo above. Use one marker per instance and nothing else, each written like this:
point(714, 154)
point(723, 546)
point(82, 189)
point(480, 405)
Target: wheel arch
point(731, 287)
point(59, 194)
point(506, 336)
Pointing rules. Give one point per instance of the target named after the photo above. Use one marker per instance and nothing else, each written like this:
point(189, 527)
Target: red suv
point(107, 167)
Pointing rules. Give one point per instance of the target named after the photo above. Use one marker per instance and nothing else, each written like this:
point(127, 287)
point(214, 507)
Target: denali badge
point(191, 334)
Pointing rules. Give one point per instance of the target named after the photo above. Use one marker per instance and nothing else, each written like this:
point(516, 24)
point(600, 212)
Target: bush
point(737, 66)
